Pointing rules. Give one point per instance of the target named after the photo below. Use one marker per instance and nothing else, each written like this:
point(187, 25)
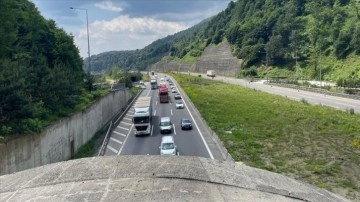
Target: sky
point(125, 24)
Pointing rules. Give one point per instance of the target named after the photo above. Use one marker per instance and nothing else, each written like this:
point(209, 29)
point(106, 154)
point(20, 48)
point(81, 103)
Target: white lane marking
point(115, 140)
point(117, 133)
point(123, 127)
point(178, 153)
point(155, 112)
point(174, 129)
point(148, 93)
point(171, 112)
point(127, 119)
point(122, 146)
point(112, 149)
point(152, 130)
point(156, 103)
point(201, 135)
point(129, 124)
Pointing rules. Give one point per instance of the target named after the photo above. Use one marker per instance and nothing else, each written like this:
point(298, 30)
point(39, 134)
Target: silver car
point(165, 125)
point(179, 104)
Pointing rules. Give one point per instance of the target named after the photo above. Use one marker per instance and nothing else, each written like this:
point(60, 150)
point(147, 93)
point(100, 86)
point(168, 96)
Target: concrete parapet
point(155, 178)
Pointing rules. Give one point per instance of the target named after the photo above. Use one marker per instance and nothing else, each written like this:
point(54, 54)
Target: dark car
point(186, 124)
point(177, 96)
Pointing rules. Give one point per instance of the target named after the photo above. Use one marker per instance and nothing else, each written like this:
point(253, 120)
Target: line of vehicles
point(143, 115)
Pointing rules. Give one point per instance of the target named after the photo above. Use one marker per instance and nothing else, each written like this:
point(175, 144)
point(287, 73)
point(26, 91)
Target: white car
point(174, 90)
point(179, 105)
point(167, 146)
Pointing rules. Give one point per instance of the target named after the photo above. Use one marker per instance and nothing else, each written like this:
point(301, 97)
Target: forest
point(41, 75)
point(298, 37)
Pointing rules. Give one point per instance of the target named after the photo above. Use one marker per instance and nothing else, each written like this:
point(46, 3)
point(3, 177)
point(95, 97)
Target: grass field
point(313, 144)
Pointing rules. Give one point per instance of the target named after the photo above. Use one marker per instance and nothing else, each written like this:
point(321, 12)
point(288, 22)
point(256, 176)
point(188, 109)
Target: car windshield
point(166, 146)
point(179, 103)
point(164, 123)
point(186, 121)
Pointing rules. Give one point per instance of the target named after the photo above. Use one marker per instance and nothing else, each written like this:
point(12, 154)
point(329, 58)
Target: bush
point(304, 101)
point(351, 111)
point(31, 125)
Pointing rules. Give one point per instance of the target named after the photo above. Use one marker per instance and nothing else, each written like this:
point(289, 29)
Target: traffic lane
point(148, 145)
point(120, 133)
point(311, 97)
point(189, 142)
point(142, 145)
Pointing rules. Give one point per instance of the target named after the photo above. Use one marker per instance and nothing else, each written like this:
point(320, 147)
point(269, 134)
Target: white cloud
point(125, 33)
point(108, 5)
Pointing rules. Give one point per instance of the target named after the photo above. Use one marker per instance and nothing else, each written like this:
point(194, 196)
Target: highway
point(193, 142)
point(339, 103)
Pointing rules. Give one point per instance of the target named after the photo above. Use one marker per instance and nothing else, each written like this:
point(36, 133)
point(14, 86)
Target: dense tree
point(40, 68)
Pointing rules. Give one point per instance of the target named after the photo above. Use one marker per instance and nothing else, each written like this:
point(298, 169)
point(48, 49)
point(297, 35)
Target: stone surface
point(154, 178)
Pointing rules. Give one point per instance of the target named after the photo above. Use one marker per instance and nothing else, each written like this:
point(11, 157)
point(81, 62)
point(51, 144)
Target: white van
point(167, 146)
point(165, 125)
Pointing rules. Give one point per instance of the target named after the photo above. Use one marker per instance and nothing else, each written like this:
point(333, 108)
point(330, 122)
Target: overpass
point(155, 178)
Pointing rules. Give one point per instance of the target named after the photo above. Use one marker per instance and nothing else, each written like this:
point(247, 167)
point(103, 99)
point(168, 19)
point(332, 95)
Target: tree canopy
point(40, 68)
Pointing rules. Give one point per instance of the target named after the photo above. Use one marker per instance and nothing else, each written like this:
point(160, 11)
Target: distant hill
point(141, 58)
point(298, 37)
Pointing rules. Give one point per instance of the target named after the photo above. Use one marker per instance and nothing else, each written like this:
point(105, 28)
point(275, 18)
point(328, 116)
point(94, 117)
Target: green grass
point(315, 144)
point(188, 59)
point(91, 146)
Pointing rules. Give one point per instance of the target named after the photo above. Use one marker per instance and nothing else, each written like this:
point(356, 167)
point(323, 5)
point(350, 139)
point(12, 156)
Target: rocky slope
point(215, 57)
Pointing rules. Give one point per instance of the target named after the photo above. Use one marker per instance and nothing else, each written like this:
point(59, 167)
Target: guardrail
point(112, 124)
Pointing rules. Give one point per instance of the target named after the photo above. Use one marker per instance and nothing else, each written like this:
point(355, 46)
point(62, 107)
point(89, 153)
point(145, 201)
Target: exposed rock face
point(218, 58)
point(215, 57)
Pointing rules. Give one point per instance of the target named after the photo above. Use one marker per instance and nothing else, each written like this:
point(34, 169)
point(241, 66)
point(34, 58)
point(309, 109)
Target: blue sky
point(126, 24)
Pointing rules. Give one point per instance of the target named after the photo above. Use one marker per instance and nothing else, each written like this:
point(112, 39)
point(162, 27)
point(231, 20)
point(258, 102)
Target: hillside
point(295, 37)
point(141, 58)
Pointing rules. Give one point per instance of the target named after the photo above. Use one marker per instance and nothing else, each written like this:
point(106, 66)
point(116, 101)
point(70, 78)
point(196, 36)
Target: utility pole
point(88, 38)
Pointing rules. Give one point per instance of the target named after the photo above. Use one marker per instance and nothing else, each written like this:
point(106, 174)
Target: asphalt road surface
point(294, 94)
point(189, 142)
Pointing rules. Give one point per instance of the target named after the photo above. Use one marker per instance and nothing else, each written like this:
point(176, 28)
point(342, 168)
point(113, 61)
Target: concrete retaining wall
point(60, 141)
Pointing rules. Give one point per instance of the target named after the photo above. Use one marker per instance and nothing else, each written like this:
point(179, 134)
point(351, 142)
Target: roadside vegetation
point(314, 144)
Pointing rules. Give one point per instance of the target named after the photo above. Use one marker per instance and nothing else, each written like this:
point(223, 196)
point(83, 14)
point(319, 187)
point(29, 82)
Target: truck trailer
point(142, 116)
point(164, 96)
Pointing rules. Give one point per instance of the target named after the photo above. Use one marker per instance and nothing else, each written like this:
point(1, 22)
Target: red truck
point(164, 93)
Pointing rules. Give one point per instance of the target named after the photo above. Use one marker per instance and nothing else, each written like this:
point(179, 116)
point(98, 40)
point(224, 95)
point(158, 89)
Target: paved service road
point(189, 142)
point(311, 97)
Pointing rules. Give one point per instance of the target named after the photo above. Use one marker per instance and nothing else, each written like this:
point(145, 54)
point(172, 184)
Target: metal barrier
point(101, 152)
point(112, 124)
